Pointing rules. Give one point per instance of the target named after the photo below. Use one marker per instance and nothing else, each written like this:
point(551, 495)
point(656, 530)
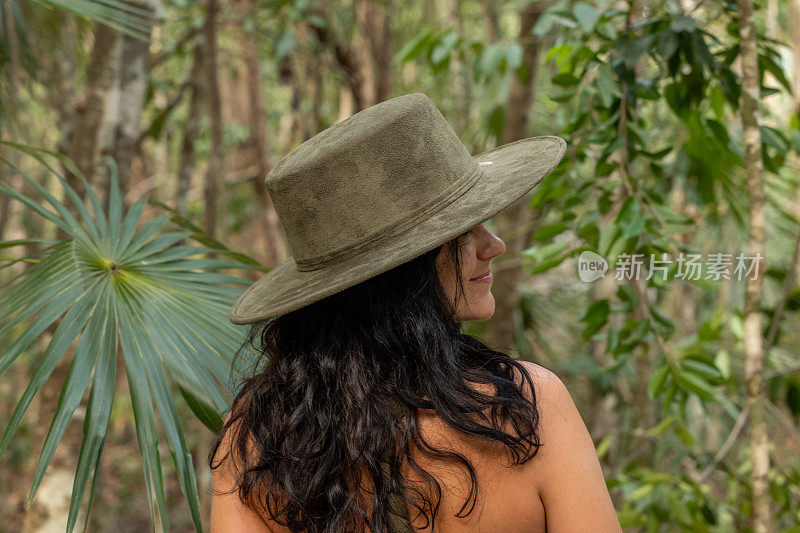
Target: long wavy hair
point(337, 391)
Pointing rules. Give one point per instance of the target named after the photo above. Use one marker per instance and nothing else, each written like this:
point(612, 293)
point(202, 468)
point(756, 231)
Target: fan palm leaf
point(120, 282)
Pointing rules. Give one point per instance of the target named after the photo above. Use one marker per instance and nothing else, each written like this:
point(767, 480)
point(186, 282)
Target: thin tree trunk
point(373, 20)
point(83, 146)
point(13, 71)
point(132, 80)
point(492, 23)
point(794, 34)
point(642, 357)
point(212, 191)
point(267, 223)
point(347, 105)
point(315, 82)
point(90, 109)
point(511, 223)
point(462, 73)
point(753, 340)
point(190, 130)
point(347, 59)
point(292, 124)
point(683, 301)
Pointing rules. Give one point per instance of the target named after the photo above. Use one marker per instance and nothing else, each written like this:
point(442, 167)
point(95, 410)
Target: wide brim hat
point(502, 175)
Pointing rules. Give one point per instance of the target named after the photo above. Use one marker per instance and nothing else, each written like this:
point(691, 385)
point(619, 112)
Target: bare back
point(561, 489)
point(507, 496)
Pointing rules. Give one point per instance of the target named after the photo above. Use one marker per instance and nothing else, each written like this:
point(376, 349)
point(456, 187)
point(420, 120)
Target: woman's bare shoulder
point(566, 470)
point(228, 512)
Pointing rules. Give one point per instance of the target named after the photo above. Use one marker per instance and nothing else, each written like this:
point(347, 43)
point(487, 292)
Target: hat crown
point(368, 178)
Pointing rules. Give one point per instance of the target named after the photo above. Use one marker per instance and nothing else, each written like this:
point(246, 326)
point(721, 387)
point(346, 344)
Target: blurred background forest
point(683, 135)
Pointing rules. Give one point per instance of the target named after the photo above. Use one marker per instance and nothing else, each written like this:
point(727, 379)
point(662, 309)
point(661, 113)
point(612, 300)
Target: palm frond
point(119, 281)
point(122, 16)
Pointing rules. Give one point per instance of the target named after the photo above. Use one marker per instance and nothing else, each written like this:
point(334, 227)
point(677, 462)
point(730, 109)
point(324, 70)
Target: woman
point(372, 411)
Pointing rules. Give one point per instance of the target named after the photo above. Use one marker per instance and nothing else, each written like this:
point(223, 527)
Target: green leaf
point(696, 384)
point(49, 215)
point(603, 446)
point(722, 361)
point(682, 23)
point(440, 53)
point(662, 320)
point(545, 233)
point(203, 411)
point(129, 225)
point(595, 317)
point(700, 50)
point(80, 369)
point(766, 63)
point(609, 234)
point(628, 295)
point(630, 219)
point(143, 416)
point(661, 428)
point(66, 332)
point(415, 46)
point(284, 44)
point(586, 16)
point(31, 295)
point(198, 234)
point(606, 85)
point(703, 367)
point(126, 18)
point(114, 202)
point(632, 49)
point(545, 252)
point(98, 413)
point(514, 56)
point(774, 139)
point(489, 60)
point(565, 79)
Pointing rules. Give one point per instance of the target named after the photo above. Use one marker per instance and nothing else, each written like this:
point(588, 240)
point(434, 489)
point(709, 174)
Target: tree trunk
point(642, 357)
point(374, 23)
point(212, 191)
point(753, 340)
point(347, 59)
point(794, 34)
point(511, 223)
point(83, 146)
point(292, 124)
point(132, 85)
point(13, 70)
point(491, 20)
point(461, 72)
point(274, 244)
point(190, 131)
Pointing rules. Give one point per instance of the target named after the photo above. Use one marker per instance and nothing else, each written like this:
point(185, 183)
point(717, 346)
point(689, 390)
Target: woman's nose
point(490, 245)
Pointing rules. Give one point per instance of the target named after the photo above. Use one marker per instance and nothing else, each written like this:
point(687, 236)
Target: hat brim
point(509, 171)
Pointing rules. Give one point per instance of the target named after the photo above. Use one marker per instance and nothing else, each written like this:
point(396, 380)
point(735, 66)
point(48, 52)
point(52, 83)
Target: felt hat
point(380, 188)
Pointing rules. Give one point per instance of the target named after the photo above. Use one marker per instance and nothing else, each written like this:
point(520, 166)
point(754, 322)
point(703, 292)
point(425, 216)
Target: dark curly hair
point(337, 390)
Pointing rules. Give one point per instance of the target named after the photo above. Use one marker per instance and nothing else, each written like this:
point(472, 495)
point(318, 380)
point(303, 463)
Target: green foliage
point(646, 110)
point(121, 16)
point(118, 282)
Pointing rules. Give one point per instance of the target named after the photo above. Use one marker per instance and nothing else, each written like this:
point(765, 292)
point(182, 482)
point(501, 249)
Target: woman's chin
point(483, 310)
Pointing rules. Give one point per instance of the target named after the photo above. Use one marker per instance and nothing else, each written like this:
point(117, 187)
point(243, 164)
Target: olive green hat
point(378, 189)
